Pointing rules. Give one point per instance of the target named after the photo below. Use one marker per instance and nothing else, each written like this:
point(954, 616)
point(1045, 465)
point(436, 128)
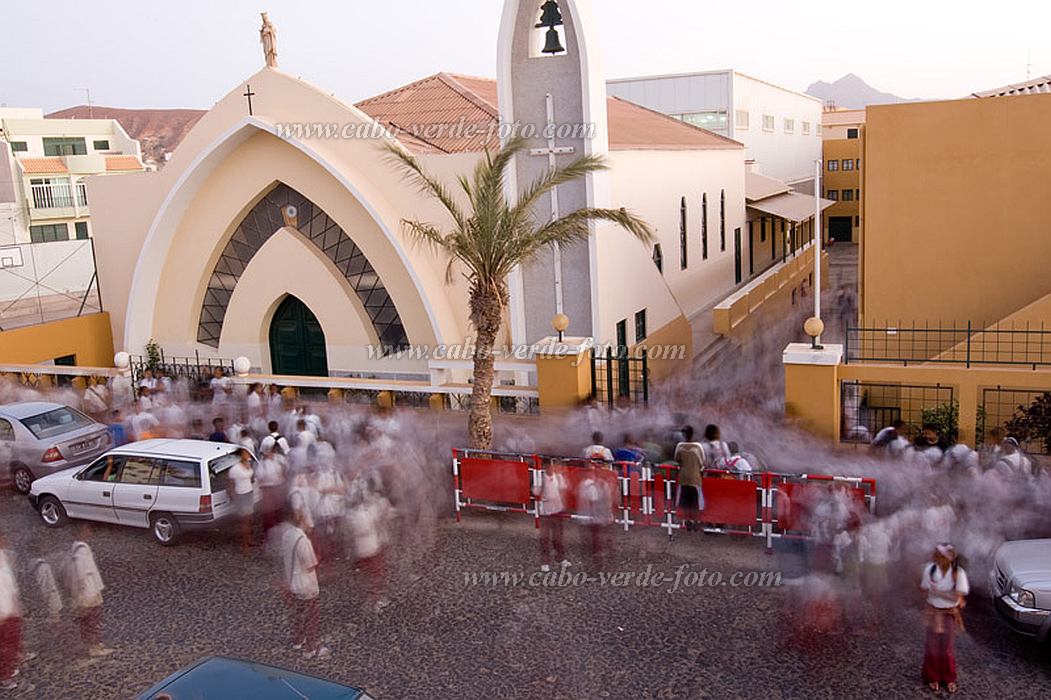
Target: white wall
point(652, 184)
point(785, 156)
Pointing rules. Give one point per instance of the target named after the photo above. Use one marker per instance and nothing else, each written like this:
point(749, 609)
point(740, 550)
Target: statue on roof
point(268, 38)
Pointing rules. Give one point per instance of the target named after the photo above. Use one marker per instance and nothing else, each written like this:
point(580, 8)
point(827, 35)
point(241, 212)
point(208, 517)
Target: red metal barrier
point(766, 504)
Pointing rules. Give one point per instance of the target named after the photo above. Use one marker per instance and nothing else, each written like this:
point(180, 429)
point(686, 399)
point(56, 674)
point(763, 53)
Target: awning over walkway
point(791, 206)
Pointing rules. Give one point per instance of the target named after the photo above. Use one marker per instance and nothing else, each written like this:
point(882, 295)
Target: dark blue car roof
point(221, 678)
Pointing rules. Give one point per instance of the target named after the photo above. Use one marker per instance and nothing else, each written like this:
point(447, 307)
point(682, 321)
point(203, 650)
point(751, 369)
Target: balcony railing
point(59, 196)
point(1018, 344)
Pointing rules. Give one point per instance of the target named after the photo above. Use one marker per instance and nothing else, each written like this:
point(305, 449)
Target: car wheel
point(52, 512)
point(23, 479)
point(164, 528)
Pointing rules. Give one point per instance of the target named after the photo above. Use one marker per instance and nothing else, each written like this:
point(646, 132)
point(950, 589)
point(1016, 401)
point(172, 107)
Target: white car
point(166, 485)
point(1021, 586)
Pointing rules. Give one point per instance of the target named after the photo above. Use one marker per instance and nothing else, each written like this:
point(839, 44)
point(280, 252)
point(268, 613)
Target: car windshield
point(55, 422)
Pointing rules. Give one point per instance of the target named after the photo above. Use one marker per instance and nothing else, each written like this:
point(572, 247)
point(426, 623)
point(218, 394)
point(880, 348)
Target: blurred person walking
point(549, 494)
point(242, 494)
point(300, 583)
point(946, 586)
point(10, 621)
point(85, 588)
point(595, 502)
point(369, 521)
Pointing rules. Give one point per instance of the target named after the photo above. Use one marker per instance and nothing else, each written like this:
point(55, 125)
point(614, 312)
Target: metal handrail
point(966, 344)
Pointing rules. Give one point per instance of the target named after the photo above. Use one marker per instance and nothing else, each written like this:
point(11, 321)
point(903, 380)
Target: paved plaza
point(166, 608)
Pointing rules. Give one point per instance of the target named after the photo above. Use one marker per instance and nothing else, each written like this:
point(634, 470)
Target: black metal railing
point(1024, 414)
point(619, 378)
point(197, 369)
point(1027, 345)
point(868, 407)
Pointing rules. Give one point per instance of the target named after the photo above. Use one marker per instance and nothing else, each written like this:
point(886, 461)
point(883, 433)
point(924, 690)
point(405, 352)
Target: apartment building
point(842, 141)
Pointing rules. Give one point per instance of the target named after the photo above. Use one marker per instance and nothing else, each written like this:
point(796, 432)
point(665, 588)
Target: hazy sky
point(191, 52)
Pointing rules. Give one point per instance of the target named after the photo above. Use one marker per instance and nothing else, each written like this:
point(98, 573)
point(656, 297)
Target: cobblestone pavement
point(166, 608)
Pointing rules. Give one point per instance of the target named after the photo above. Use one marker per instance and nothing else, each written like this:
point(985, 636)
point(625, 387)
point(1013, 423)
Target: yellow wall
point(670, 337)
point(88, 337)
point(808, 396)
point(563, 380)
point(956, 210)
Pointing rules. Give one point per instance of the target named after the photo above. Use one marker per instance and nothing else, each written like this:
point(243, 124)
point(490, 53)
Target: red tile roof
point(122, 163)
point(449, 113)
point(43, 166)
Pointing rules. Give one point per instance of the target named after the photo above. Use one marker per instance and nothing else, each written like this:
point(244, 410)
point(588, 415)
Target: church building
point(272, 235)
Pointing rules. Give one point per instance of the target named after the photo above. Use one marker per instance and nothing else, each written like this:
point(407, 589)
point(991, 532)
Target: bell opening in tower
point(549, 33)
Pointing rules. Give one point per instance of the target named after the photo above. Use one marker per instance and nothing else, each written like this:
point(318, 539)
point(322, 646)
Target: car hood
point(53, 481)
point(1027, 563)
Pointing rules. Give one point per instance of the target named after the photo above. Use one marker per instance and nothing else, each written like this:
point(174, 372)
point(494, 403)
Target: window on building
point(762, 230)
point(857, 164)
point(741, 118)
point(848, 164)
point(722, 220)
point(100, 145)
point(857, 220)
point(848, 195)
point(640, 326)
point(19, 146)
point(833, 165)
point(768, 122)
point(683, 240)
point(806, 128)
point(704, 226)
point(81, 229)
point(622, 334)
point(857, 195)
point(49, 233)
point(790, 126)
point(852, 133)
point(65, 146)
point(833, 195)
point(712, 121)
point(658, 258)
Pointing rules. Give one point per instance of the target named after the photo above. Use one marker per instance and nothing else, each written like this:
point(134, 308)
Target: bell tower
point(552, 90)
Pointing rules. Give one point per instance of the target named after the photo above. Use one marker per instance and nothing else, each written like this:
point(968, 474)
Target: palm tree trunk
point(486, 311)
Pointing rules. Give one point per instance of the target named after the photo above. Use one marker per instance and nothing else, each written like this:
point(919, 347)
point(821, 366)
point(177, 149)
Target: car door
point(90, 495)
point(180, 487)
point(135, 492)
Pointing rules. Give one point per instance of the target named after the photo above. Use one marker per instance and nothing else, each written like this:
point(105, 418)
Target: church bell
point(550, 15)
point(553, 44)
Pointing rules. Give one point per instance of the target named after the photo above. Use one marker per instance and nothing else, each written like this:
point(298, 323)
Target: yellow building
point(955, 297)
point(843, 139)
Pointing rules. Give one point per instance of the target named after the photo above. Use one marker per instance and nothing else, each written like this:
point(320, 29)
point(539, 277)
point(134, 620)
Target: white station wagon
point(166, 485)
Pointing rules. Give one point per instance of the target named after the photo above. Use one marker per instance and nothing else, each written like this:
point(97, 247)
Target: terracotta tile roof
point(451, 100)
point(43, 166)
point(122, 163)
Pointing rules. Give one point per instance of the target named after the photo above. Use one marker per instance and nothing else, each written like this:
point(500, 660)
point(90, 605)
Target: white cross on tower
point(552, 152)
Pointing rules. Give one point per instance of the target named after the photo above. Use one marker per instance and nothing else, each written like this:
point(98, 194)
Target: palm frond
point(414, 171)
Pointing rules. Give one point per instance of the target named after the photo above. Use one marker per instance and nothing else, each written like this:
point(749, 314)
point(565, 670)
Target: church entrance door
point(297, 342)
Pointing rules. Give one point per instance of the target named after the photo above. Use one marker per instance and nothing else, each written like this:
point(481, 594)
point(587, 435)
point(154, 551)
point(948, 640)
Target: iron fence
point(618, 378)
point(1022, 344)
point(1024, 414)
point(867, 408)
point(196, 369)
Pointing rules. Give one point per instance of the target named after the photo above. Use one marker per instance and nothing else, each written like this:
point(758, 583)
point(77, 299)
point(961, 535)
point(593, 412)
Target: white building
point(780, 128)
point(43, 164)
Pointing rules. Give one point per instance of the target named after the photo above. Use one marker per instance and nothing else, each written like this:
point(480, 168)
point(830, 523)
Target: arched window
point(722, 220)
point(704, 226)
point(658, 258)
point(683, 240)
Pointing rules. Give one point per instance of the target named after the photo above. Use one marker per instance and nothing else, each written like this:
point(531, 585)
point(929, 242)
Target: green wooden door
point(297, 342)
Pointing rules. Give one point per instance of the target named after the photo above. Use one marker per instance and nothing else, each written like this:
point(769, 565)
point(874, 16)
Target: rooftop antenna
point(1029, 65)
point(91, 111)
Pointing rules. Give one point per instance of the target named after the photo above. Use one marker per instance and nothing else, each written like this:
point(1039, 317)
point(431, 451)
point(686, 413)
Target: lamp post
point(560, 323)
point(815, 323)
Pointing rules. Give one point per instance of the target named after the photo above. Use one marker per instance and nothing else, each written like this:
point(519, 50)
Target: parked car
point(166, 485)
point(219, 678)
point(39, 438)
point(1021, 586)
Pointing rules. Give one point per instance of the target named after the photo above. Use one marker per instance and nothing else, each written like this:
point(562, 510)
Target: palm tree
point(492, 237)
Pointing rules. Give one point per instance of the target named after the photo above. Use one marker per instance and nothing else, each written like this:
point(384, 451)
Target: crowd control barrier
point(770, 505)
